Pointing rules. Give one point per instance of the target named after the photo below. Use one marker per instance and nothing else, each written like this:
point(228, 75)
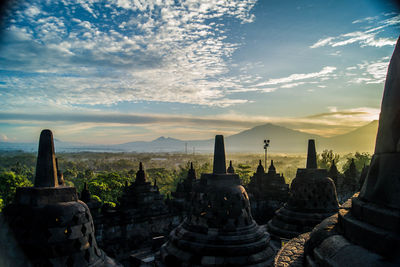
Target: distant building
point(267, 192)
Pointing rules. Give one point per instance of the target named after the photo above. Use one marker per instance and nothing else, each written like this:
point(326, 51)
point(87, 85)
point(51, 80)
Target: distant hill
point(161, 144)
point(283, 140)
point(361, 139)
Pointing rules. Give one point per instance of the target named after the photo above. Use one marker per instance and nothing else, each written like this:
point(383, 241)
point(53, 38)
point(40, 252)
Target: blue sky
point(126, 70)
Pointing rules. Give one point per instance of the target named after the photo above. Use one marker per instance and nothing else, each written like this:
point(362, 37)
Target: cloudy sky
point(127, 70)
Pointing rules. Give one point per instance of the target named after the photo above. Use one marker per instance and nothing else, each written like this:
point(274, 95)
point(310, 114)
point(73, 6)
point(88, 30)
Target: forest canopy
point(107, 173)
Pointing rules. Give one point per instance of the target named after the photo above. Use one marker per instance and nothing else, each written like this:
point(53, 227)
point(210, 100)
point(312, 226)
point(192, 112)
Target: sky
point(110, 72)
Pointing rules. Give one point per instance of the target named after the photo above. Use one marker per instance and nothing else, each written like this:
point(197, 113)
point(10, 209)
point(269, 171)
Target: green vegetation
point(360, 160)
point(107, 173)
point(342, 162)
point(245, 172)
point(9, 181)
point(325, 159)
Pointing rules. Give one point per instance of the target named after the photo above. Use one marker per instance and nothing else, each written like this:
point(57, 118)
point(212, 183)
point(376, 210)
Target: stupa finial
point(46, 170)
point(191, 172)
point(230, 168)
point(311, 155)
point(271, 168)
point(219, 165)
point(260, 168)
point(140, 175)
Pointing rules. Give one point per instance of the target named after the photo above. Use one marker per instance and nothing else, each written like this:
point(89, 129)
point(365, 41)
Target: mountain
point(161, 144)
point(283, 140)
point(361, 139)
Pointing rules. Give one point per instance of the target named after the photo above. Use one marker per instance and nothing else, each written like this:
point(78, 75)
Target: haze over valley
point(283, 140)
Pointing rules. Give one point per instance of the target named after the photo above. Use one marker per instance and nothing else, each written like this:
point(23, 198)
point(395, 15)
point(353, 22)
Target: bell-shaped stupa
point(312, 198)
point(368, 233)
point(219, 230)
point(47, 223)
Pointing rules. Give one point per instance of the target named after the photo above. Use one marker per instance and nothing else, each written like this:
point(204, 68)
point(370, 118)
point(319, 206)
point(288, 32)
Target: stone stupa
point(48, 225)
point(270, 185)
point(312, 198)
point(219, 230)
point(368, 234)
point(184, 188)
point(230, 168)
point(141, 198)
point(267, 192)
point(334, 173)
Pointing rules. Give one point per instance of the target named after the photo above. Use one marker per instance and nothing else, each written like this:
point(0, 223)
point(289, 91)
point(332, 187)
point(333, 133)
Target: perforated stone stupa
point(48, 225)
point(312, 198)
point(219, 230)
point(368, 234)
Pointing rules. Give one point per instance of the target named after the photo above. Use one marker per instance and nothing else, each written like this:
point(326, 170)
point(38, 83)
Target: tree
point(9, 182)
point(89, 174)
point(1, 204)
point(360, 159)
point(244, 172)
point(70, 173)
point(324, 160)
point(108, 186)
point(167, 180)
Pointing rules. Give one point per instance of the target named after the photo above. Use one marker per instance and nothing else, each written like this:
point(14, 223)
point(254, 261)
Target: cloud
point(336, 53)
point(127, 119)
point(4, 138)
point(367, 19)
point(252, 89)
point(336, 121)
point(89, 52)
point(366, 37)
point(323, 42)
point(372, 72)
point(32, 11)
point(292, 80)
point(368, 114)
point(291, 85)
